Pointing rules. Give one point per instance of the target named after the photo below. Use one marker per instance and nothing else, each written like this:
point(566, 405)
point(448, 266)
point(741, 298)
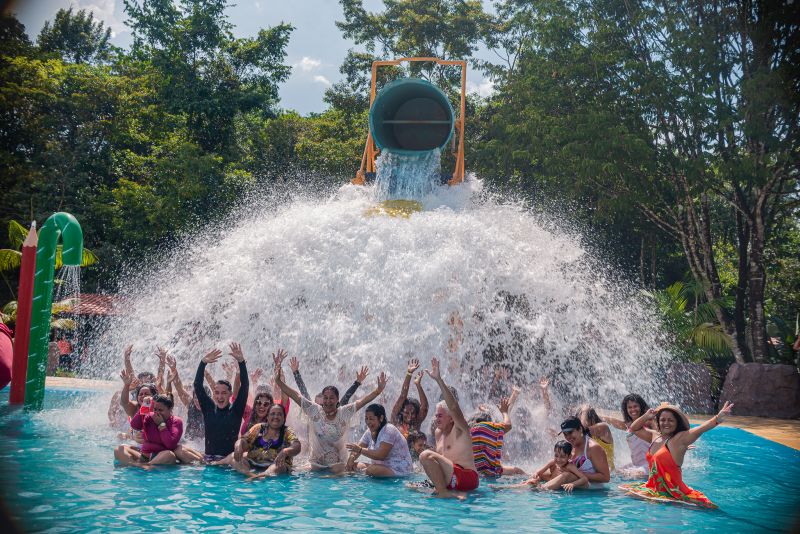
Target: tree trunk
point(756, 283)
point(743, 243)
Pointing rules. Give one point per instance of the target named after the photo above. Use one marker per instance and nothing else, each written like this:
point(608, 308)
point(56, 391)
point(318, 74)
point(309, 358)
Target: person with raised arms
point(668, 446)
point(328, 421)
point(407, 413)
point(221, 418)
point(451, 467)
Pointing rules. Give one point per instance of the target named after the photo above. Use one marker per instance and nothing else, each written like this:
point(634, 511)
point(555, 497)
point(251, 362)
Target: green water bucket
point(411, 116)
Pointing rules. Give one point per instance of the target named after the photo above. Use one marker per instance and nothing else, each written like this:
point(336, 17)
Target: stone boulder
point(690, 387)
point(763, 390)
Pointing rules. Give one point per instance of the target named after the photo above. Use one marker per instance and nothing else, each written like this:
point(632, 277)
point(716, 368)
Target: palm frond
point(712, 337)
point(10, 259)
point(16, 234)
point(89, 258)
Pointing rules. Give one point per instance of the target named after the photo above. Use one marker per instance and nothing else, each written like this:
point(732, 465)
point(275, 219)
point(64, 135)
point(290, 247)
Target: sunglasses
point(263, 403)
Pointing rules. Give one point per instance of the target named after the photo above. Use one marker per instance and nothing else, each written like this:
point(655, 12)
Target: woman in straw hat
point(668, 446)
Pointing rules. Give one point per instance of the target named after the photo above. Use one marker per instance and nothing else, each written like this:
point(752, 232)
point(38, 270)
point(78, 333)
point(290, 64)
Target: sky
point(315, 51)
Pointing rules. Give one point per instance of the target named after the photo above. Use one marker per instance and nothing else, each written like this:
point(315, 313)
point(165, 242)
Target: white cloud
point(103, 10)
point(258, 5)
point(308, 64)
point(484, 89)
point(322, 79)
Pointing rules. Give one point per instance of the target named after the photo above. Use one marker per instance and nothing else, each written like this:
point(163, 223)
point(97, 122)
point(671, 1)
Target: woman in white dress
point(384, 444)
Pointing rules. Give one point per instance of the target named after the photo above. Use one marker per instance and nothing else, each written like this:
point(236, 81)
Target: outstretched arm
point(244, 389)
point(449, 399)
point(382, 379)
point(124, 396)
point(361, 375)
point(162, 364)
point(294, 365)
point(693, 434)
point(423, 399)
point(292, 393)
point(544, 385)
point(504, 407)
point(413, 365)
point(616, 423)
point(202, 397)
point(638, 428)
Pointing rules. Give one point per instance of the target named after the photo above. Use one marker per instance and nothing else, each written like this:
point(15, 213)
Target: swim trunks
point(463, 479)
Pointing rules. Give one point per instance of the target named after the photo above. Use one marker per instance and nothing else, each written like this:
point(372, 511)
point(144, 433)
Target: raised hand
point(162, 354)
point(650, 414)
point(236, 352)
point(418, 379)
point(256, 376)
point(544, 382)
point(171, 362)
point(504, 404)
point(212, 356)
point(413, 365)
point(434, 370)
point(127, 354)
point(725, 411)
point(171, 376)
point(361, 375)
point(278, 357)
point(382, 380)
point(126, 377)
point(294, 365)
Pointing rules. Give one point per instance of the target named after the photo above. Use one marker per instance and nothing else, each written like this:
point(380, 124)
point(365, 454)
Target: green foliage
point(76, 38)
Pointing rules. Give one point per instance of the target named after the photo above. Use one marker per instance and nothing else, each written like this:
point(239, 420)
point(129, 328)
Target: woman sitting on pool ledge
point(667, 449)
point(328, 421)
point(269, 446)
point(161, 430)
point(587, 455)
point(383, 444)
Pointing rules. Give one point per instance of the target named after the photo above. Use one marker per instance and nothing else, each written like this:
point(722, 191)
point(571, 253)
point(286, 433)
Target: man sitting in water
point(451, 467)
point(221, 418)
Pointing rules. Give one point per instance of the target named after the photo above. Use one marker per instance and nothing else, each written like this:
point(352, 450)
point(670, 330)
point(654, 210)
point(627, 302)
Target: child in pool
point(558, 465)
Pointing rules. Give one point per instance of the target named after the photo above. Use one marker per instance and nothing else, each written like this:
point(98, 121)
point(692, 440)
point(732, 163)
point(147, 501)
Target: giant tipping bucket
point(413, 119)
point(411, 116)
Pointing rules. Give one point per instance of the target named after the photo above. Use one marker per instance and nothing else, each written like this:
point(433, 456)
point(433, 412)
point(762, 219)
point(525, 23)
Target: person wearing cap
point(587, 455)
point(668, 446)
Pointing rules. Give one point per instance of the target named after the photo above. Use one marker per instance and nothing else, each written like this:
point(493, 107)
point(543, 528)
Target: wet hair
point(166, 400)
point(378, 411)
point(415, 436)
point(151, 387)
point(643, 407)
point(443, 404)
point(226, 383)
point(146, 375)
point(409, 402)
point(680, 426)
point(479, 417)
point(563, 446)
point(591, 416)
point(576, 423)
point(332, 389)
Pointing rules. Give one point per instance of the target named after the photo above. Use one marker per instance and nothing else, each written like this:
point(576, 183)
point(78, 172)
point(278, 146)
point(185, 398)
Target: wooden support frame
point(371, 151)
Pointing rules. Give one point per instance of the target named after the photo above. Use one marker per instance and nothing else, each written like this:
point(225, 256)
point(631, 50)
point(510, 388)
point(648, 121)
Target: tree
point(202, 70)
point(76, 38)
point(664, 110)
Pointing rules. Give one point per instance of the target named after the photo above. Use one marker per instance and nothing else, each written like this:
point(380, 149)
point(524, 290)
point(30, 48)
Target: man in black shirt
point(221, 418)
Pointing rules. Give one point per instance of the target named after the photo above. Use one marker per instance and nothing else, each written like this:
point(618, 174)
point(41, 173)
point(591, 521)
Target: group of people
point(244, 426)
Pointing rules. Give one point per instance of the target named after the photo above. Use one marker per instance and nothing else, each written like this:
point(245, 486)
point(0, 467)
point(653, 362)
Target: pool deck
point(783, 431)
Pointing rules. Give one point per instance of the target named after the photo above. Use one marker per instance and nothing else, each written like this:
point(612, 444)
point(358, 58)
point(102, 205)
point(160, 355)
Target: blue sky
point(315, 50)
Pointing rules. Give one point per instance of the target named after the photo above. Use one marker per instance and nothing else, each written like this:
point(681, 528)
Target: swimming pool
point(57, 475)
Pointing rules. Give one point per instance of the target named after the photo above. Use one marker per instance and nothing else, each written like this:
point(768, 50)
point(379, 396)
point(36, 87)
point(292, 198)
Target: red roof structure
point(98, 304)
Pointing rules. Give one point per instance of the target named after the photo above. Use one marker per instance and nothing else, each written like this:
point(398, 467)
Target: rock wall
point(763, 390)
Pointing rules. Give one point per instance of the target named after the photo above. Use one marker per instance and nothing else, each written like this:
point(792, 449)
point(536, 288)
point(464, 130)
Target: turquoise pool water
point(57, 475)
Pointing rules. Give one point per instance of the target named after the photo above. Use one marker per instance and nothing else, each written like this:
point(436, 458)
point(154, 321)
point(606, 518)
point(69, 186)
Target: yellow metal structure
point(371, 151)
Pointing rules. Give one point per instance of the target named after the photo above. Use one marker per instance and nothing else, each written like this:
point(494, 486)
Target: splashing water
point(67, 290)
point(480, 283)
point(407, 176)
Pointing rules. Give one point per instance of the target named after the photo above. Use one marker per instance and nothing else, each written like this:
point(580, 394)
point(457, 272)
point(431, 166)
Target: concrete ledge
point(80, 383)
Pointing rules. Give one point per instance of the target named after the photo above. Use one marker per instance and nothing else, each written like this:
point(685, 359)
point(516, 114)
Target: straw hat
point(666, 406)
